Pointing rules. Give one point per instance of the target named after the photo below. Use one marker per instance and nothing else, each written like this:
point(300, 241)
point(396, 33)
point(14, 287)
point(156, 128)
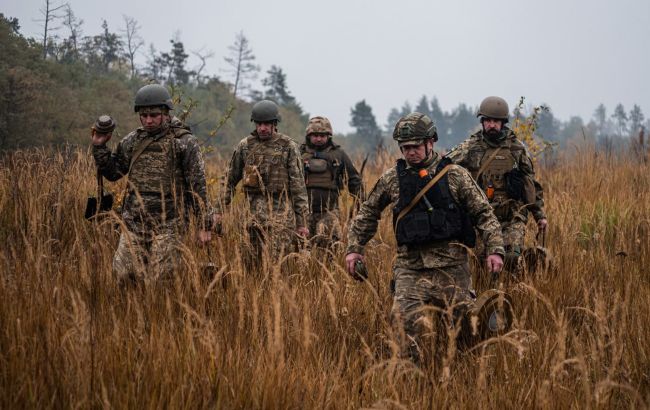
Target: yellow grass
point(301, 334)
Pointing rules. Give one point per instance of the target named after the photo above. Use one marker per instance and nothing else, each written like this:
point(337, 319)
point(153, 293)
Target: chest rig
point(438, 218)
point(158, 169)
point(322, 169)
point(266, 165)
point(494, 167)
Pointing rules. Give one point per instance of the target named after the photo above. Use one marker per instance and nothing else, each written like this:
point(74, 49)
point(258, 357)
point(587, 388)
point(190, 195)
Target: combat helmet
point(319, 125)
point(415, 127)
point(265, 111)
point(494, 107)
point(153, 95)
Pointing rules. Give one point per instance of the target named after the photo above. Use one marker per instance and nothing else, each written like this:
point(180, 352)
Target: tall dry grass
point(300, 334)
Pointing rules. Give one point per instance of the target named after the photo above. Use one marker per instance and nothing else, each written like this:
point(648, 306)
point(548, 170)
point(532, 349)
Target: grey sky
point(571, 55)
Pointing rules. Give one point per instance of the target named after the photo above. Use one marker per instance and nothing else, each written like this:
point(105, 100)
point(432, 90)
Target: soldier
point(166, 181)
point(269, 165)
point(432, 229)
point(502, 167)
point(326, 166)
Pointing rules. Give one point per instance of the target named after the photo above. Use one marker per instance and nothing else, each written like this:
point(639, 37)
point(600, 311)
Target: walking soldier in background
point(268, 164)
point(166, 182)
point(436, 206)
point(503, 168)
point(326, 168)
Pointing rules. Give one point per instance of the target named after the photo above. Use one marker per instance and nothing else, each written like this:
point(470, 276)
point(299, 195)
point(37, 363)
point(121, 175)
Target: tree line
point(54, 86)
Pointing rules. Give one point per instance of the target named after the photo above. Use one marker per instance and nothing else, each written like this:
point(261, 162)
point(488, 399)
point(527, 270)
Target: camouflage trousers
point(426, 298)
point(514, 233)
point(325, 228)
point(146, 256)
point(273, 240)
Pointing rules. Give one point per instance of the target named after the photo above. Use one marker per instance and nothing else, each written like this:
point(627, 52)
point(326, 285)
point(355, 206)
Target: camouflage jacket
point(340, 169)
point(173, 160)
point(271, 173)
point(464, 192)
point(471, 153)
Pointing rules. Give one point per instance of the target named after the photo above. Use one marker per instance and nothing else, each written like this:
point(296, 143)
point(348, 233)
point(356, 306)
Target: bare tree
point(241, 62)
point(49, 16)
point(74, 25)
point(133, 40)
point(203, 56)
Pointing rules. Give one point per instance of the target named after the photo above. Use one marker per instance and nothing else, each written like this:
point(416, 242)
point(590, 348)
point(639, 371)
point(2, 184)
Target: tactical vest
point(444, 222)
point(266, 166)
point(158, 169)
point(494, 175)
point(321, 169)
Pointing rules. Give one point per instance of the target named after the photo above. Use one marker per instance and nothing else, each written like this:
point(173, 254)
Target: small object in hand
point(93, 208)
point(360, 270)
point(105, 124)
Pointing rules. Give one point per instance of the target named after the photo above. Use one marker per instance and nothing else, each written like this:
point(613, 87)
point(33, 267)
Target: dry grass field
point(300, 333)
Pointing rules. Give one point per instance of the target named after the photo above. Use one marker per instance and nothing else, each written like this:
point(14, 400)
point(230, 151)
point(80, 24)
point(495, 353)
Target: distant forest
point(54, 86)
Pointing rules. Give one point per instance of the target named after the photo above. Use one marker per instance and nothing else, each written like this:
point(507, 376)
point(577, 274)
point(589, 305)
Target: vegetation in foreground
point(300, 333)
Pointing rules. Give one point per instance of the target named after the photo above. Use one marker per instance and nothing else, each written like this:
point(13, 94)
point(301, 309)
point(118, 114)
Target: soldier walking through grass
point(503, 168)
point(433, 228)
point(327, 167)
point(269, 166)
point(166, 183)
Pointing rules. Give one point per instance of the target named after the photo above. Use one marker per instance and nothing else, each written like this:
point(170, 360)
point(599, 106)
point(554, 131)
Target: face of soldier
point(318, 139)
point(264, 129)
point(151, 121)
point(492, 127)
point(416, 153)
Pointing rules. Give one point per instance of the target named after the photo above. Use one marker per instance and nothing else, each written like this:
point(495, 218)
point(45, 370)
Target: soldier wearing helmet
point(326, 168)
point(502, 167)
point(435, 208)
point(269, 166)
point(166, 182)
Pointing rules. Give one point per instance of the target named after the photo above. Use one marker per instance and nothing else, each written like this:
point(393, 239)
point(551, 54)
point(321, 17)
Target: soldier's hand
point(303, 231)
point(350, 262)
point(494, 263)
point(100, 139)
point(541, 224)
point(204, 237)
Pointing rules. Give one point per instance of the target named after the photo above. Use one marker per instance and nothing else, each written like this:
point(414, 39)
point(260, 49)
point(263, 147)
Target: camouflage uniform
point(165, 184)
point(326, 168)
point(436, 273)
point(511, 213)
point(273, 182)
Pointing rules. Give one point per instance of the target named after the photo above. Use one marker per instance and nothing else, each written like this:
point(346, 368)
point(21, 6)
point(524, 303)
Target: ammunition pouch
point(317, 165)
point(520, 186)
point(252, 177)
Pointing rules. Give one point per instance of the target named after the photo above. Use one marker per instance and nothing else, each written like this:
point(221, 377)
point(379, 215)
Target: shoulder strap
point(420, 194)
point(140, 149)
point(487, 163)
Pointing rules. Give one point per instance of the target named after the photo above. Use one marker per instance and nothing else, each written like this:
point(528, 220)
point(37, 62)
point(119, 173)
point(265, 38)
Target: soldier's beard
point(493, 134)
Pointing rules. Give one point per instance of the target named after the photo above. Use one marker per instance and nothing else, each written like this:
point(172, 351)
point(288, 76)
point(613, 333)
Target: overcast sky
point(569, 54)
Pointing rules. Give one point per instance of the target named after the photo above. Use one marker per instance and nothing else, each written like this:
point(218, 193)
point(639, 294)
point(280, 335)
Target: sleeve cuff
point(354, 249)
point(496, 250)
